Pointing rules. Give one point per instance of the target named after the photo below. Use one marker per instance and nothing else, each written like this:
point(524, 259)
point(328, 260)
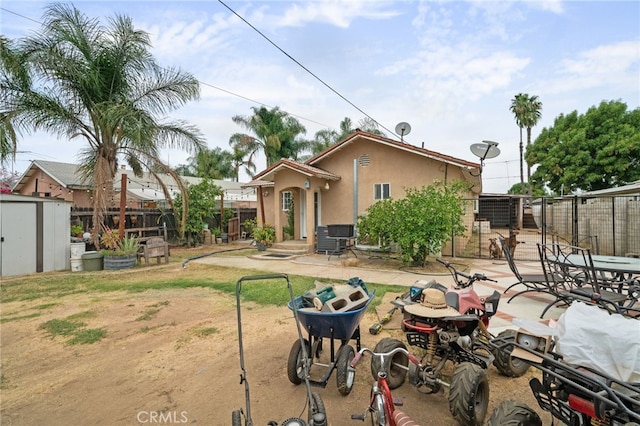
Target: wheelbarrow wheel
point(295, 364)
point(396, 366)
point(344, 378)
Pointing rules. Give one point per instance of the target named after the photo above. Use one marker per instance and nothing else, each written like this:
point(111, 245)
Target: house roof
point(144, 187)
point(65, 174)
point(359, 134)
point(632, 188)
point(308, 168)
point(302, 168)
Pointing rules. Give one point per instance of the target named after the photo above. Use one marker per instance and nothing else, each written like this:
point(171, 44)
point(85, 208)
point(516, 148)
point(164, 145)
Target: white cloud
point(614, 64)
point(336, 13)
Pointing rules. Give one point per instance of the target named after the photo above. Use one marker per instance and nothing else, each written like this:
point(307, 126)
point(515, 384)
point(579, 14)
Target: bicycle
point(382, 405)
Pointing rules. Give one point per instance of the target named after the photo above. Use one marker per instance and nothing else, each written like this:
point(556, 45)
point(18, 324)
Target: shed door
point(18, 246)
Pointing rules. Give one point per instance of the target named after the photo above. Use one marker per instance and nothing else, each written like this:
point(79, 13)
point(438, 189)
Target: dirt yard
point(171, 357)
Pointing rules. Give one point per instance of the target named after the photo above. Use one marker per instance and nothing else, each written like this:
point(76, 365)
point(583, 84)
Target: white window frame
point(380, 188)
point(287, 196)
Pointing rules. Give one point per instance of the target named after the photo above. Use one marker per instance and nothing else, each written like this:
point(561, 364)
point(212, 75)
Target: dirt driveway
point(171, 357)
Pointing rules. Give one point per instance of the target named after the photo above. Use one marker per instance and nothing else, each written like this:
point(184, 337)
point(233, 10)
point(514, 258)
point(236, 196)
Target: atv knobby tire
point(514, 413)
point(396, 366)
point(469, 394)
point(506, 364)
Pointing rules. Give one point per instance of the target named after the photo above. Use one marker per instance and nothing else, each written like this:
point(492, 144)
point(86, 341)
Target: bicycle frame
point(381, 401)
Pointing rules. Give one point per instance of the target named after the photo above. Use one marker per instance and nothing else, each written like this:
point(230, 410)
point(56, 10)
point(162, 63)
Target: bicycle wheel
point(378, 414)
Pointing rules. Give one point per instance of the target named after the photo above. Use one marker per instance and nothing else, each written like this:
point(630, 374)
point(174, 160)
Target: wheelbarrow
point(316, 411)
point(343, 326)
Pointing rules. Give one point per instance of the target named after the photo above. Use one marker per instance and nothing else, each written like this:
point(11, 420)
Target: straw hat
point(433, 305)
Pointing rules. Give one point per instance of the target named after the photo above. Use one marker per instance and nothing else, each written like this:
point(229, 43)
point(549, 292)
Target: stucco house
point(340, 183)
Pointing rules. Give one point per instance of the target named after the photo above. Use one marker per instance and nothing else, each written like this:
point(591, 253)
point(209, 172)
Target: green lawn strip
point(73, 326)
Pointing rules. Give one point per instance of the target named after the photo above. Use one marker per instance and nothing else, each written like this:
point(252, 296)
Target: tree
point(202, 204)
point(274, 132)
point(326, 137)
point(14, 78)
point(527, 111)
point(213, 163)
point(100, 83)
point(597, 150)
point(420, 223)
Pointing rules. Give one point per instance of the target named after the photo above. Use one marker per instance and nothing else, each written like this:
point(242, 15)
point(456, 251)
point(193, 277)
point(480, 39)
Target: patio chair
point(531, 282)
point(571, 276)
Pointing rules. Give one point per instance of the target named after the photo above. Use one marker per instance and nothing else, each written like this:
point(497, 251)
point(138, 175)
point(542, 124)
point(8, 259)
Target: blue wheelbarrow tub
point(321, 324)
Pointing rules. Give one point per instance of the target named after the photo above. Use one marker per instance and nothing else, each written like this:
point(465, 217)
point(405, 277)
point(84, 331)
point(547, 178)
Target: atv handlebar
point(470, 279)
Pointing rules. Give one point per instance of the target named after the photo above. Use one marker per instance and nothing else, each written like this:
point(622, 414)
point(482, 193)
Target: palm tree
point(274, 132)
point(13, 79)
point(100, 83)
point(527, 111)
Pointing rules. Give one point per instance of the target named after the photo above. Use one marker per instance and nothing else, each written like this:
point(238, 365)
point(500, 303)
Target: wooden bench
point(154, 247)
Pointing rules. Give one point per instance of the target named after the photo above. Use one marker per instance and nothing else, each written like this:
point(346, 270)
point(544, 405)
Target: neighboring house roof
point(144, 188)
point(358, 134)
point(632, 188)
point(65, 174)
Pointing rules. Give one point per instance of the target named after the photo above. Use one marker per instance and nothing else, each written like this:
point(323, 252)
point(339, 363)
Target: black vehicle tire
point(469, 394)
point(236, 418)
point(506, 364)
point(344, 378)
point(295, 364)
point(317, 407)
point(514, 413)
point(396, 366)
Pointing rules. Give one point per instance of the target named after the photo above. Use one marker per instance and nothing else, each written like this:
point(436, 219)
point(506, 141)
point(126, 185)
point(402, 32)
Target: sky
point(448, 68)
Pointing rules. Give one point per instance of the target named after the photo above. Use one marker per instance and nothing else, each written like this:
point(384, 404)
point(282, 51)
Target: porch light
point(326, 186)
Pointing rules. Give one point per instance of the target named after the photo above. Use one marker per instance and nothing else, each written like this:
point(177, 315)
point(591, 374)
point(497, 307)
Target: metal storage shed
point(34, 235)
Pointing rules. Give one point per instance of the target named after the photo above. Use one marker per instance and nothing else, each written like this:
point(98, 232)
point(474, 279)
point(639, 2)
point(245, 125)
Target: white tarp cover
point(588, 336)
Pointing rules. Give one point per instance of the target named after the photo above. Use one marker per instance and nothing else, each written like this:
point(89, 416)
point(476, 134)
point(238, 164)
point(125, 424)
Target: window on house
point(287, 196)
point(382, 191)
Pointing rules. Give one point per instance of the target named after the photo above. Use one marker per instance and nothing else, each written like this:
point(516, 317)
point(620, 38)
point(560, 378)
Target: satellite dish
point(485, 150)
point(402, 129)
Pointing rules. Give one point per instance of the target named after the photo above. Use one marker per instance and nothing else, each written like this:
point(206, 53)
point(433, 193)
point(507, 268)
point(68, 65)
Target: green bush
point(420, 223)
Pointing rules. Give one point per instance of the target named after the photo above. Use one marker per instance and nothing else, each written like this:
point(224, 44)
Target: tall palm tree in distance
point(527, 111)
point(274, 132)
point(100, 83)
